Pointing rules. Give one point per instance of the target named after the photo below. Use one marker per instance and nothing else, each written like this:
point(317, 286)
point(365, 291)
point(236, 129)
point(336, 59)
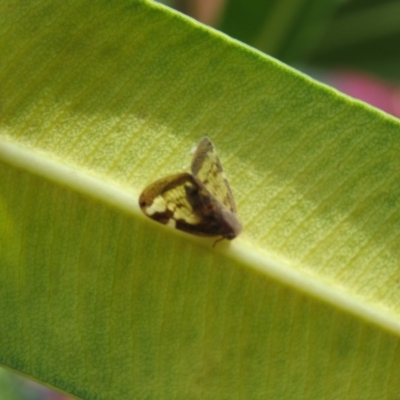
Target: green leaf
point(98, 99)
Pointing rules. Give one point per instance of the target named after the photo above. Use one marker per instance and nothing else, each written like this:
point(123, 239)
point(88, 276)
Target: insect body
point(200, 203)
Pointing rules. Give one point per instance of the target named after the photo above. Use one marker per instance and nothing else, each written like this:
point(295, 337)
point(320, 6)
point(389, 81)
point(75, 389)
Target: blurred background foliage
point(15, 387)
point(349, 44)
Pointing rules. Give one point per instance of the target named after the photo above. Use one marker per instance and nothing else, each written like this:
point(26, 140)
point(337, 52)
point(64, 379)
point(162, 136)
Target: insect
point(200, 203)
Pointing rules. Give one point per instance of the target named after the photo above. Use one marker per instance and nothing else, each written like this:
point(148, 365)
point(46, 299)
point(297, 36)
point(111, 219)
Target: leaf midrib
point(241, 250)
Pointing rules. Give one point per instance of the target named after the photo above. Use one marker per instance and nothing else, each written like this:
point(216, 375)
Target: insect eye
point(191, 190)
point(142, 202)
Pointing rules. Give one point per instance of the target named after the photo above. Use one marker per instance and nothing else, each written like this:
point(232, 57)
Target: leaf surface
point(98, 99)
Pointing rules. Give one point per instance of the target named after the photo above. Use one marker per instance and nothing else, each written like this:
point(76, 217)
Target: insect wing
point(166, 200)
point(207, 167)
